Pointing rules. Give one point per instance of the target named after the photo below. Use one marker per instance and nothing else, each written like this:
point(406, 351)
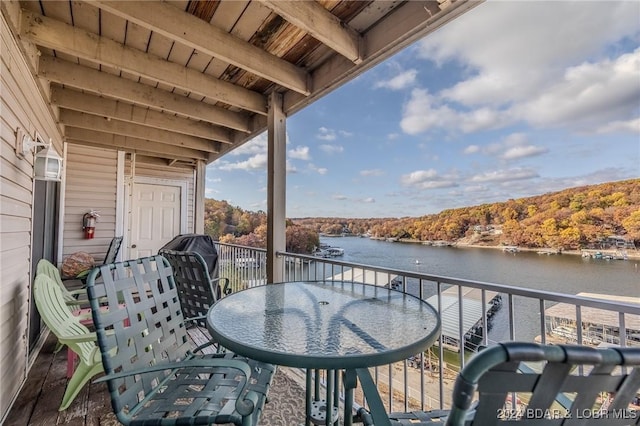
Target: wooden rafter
point(321, 24)
point(74, 41)
point(78, 76)
point(204, 37)
point(117, 127)
point(85, 102)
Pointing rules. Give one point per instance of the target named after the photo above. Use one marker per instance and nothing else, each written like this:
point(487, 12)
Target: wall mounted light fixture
point(47, 164)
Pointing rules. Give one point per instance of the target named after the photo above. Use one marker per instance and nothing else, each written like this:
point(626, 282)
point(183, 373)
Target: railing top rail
point(618, 306)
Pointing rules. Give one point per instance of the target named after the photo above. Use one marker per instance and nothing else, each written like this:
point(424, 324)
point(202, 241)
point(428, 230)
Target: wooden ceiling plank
point(226, 17)
point(204, 37)
point(137, 36)
point(161, 47)
point(59, 10)
point(108, 125)
point(322, 25)
point(73, 41)
point(94, 81)
point(108, 139)
point(113, 27)
point(85, 16)
point(72, 99)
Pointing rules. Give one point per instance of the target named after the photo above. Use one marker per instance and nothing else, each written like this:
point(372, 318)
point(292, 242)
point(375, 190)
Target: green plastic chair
point(69, 330)
point(73, 298)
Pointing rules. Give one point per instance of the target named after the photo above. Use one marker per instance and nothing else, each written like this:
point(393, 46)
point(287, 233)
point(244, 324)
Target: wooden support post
point(276, 189)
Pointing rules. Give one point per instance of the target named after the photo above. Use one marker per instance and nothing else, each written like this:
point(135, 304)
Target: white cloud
point(423, 112)
point(588, 94)
point(319, 170)
point(300, 153)
point(326, 134)
point(368, 200)
point(372, 172)
point(257, 145)
point(401, 81)
point(630, 126)
point(505, 175)
point(418, 176)
point(526, 63)
point(514, 146)
point(258, 161)
point(523, 151)
point(427, 179)
point(345, 133)
point(340, 197)
point(331, 149)
point(471, 149)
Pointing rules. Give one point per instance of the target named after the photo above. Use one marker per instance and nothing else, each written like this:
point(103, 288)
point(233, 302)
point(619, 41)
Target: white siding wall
point(90, 185)
point(21, 106)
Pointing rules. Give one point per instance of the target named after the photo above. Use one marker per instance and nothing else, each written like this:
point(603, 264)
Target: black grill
point(199, 243)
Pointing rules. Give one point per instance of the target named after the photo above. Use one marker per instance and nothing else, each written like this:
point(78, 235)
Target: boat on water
point(335, 251)
point(326, 251)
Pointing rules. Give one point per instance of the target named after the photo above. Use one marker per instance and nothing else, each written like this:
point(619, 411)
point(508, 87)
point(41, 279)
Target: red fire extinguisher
point(89, 224)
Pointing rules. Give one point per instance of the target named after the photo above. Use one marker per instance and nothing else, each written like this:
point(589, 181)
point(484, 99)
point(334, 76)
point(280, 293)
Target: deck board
point(38, 402)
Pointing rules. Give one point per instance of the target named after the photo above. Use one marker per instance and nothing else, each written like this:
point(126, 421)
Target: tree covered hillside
point(574, 218)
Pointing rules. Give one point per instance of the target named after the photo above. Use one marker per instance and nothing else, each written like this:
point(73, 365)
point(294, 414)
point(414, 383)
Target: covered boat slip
point(469, 300)
point(599, 327)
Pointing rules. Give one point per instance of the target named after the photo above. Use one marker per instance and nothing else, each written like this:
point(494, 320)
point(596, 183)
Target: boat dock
point(472, 328)
point(598, 326)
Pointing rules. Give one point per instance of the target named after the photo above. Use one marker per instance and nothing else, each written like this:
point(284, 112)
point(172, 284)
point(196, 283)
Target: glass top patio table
point(324, 324)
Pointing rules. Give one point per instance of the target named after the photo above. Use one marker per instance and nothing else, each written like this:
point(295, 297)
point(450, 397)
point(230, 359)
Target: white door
point(155, 217)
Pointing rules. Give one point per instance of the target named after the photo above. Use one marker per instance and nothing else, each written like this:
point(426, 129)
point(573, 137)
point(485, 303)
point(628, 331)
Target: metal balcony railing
point(473, 314)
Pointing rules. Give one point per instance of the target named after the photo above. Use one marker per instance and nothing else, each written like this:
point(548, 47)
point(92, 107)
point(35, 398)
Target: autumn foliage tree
point(570, 219)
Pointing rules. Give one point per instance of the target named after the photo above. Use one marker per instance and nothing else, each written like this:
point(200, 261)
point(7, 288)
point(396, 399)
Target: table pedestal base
point(319, 413)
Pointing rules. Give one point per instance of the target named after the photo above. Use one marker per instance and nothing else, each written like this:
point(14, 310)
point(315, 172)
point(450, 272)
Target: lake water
point(570, 274)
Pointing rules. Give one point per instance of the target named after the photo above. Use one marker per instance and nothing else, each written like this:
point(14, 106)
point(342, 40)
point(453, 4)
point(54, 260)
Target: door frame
point(129, 189)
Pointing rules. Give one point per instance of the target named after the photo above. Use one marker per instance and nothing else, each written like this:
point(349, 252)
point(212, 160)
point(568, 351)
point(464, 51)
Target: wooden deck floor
point(38, 402)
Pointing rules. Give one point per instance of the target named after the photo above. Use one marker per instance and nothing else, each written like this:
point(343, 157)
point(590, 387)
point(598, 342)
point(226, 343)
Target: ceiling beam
point(56, 35)
point(85, 102)
point(81, 77)
point(160, 158)
point(108, 125)
point(91, 137)
point(187, 29)
point(321, 24)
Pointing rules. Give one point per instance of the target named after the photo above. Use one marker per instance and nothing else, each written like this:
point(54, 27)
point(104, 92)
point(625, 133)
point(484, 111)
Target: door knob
point(133, 246)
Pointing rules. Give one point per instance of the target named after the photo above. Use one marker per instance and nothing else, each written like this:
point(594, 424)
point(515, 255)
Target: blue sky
point(512, 99)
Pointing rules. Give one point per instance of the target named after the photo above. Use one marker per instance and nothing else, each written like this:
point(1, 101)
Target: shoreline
point(631, 254)
point(635, 254)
